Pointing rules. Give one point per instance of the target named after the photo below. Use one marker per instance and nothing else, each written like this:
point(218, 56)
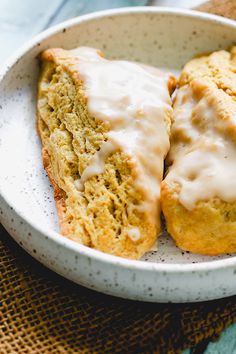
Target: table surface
point(20, 20)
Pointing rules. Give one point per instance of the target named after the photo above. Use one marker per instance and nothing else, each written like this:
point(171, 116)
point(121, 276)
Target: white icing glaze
point(97, 163)
point(133, 233)
point(203, 155)
point(134, 101)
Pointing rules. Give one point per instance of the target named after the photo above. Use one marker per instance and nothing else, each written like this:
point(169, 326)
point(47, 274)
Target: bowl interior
point(161, 38)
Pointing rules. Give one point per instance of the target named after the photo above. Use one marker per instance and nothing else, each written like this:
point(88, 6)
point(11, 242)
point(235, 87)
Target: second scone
point(104, 127)
point(198, 194)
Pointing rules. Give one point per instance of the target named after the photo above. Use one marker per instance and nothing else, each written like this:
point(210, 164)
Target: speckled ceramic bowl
point(161, 37)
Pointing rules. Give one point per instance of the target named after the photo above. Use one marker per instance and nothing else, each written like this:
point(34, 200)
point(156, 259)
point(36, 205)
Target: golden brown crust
point(58, 193)
point(209, 228)
point(110, 204)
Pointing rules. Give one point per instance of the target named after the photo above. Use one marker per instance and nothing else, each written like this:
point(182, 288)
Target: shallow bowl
point(157, 36)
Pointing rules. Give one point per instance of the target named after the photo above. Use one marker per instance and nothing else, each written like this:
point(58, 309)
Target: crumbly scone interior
point(109, 205)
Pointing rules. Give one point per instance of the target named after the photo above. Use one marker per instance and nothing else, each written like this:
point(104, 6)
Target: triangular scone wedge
point(198, 194)
point(104, 127)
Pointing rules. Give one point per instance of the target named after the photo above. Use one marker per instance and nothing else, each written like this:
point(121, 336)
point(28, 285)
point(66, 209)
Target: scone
point(198, 195)
point(104, 127)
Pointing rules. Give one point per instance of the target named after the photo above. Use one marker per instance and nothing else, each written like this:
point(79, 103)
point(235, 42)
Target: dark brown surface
point(43, 313)
point(226, 8)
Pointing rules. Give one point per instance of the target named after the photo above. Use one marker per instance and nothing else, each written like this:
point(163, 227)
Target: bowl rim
point(71, 245)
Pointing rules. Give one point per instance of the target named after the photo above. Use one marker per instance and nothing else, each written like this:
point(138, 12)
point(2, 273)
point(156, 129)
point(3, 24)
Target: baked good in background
point(198, 194)
point(104, 126)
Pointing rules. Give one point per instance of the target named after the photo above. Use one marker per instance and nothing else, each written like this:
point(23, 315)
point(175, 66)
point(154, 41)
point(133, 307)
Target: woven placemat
point(42, 313)
point(226, 8)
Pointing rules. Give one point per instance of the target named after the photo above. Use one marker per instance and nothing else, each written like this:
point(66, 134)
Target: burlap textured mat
point(226, 8)
point(42, 313)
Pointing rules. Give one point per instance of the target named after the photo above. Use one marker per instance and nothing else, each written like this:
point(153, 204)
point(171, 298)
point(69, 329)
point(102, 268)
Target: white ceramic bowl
point(161, 37)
